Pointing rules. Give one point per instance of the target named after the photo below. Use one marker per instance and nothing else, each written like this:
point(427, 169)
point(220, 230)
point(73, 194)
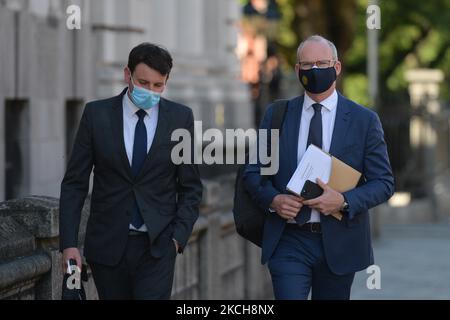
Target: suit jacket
point(358, 141)
point(168, 195)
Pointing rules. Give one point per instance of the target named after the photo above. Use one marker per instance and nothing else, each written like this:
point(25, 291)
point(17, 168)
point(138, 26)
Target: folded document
point(317, 163)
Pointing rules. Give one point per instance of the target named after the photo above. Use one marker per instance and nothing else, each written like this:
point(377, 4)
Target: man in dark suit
point(304, 245)
point(143, 206)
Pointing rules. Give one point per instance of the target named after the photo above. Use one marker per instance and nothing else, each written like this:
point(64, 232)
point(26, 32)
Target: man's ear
point(338, 67)
point(297, 68)
point(126, 75)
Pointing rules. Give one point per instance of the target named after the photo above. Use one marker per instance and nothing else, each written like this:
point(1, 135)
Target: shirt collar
point(131, 109)
point(329, 103)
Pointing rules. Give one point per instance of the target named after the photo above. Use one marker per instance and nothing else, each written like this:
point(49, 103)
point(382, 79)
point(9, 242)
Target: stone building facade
point(48, 73)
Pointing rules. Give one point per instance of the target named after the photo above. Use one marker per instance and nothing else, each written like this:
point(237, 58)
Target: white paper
point(314, 164)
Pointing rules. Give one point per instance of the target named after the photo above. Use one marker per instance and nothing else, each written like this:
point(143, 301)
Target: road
point(414, 261)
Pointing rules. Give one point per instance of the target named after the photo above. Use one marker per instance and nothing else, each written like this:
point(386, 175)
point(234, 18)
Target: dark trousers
point(138, 275)
point(298, 265)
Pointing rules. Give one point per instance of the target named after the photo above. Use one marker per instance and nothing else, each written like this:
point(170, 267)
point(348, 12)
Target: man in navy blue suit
point(143, 205)
point(306, 248)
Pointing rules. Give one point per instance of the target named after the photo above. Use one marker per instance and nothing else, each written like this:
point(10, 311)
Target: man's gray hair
point(318, 38)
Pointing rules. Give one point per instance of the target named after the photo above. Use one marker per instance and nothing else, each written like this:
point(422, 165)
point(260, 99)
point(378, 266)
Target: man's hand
point(71, 253)
point(286, 206)
point(329, 202)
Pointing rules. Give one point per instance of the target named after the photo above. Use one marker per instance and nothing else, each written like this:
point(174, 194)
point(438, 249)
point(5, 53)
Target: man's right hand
point(286, 206)
point(71, 253)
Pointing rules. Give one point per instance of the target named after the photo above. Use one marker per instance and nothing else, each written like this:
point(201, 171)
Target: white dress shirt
point(328, 118)
point(130, 119)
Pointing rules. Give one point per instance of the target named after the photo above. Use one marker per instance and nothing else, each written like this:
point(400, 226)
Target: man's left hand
point(329, 202)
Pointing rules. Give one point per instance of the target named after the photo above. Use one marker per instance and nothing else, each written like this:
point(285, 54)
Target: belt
point(136, 233)
point(313, 227)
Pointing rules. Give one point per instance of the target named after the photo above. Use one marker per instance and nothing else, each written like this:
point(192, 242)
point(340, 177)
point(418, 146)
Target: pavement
point(414, 261)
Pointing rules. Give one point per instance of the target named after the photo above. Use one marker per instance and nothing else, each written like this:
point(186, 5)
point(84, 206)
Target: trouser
point(298, 265)
point(138, 275)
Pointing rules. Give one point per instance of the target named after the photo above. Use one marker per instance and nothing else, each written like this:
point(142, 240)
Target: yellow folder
point(318, 163)
point(342, 178)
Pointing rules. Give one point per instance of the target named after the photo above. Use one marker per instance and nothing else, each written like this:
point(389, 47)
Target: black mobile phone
point(311, 190)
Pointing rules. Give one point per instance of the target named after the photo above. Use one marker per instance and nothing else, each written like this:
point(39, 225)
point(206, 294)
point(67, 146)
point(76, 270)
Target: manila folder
point(342, 178)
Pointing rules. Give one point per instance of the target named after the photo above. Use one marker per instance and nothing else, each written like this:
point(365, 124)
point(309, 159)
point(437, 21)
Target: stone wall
point(217, 263)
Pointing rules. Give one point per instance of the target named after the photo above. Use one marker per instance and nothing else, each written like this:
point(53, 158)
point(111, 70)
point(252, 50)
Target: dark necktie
point(139, 155)
point(314, 137)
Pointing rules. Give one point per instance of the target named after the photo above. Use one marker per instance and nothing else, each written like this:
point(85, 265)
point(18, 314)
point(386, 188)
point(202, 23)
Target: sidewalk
point(414, 262)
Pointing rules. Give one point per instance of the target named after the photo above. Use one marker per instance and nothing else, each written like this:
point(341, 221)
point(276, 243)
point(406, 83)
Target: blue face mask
point(143, 98)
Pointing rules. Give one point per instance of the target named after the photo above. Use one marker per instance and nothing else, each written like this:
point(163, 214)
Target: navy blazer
point(168, 195)
point(358, 140)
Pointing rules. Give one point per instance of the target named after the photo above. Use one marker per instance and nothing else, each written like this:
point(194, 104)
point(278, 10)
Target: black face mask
point(317, 80)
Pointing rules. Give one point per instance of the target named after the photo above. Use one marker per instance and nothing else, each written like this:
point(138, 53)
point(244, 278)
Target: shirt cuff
point(180, 250)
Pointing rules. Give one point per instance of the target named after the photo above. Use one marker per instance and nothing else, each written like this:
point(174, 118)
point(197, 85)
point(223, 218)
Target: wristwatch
point(345, 206)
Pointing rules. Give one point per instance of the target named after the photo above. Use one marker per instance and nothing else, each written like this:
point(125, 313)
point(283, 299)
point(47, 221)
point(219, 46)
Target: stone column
point(424, 93)
point(7, 79)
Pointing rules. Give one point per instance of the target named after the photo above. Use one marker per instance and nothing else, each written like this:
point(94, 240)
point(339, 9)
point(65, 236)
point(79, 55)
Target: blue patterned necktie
point(139, 155)
point(314, 137)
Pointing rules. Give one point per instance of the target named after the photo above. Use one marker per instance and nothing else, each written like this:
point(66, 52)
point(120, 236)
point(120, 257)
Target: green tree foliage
point(414, 34)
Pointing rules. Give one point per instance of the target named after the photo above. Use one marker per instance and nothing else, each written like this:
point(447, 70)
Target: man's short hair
point(154, 56)
point(318, 38)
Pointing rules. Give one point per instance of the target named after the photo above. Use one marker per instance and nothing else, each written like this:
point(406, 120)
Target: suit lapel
point(117, 127)
point(341, 125)
point(293, 126)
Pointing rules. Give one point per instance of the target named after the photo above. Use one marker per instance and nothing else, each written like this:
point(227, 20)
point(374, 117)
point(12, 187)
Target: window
point(74, 110)
point(17, 148)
